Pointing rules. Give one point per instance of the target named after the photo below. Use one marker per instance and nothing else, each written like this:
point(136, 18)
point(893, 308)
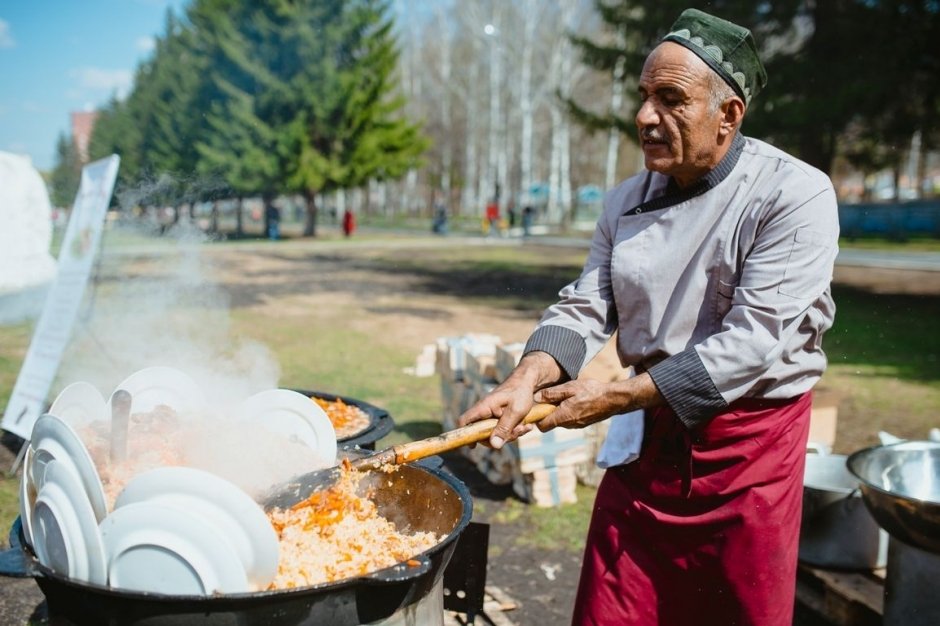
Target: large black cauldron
point(380, 420)
point(416, 497)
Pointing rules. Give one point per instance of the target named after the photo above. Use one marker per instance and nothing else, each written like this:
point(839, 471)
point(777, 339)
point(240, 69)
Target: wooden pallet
point(840, 598)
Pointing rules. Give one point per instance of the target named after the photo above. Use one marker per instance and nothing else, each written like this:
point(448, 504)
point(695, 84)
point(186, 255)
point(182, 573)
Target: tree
point(906, 100)
point(304, 97)
point(812, 52)
point(346, 124)
point(67, 172)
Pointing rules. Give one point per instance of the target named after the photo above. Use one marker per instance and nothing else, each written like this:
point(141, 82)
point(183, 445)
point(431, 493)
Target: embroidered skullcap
point(727, 48)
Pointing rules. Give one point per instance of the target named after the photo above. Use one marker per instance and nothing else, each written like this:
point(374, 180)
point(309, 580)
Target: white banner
point(54, 328)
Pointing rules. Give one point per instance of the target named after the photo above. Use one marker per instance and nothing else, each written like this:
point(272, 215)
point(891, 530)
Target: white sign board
point(54, 327)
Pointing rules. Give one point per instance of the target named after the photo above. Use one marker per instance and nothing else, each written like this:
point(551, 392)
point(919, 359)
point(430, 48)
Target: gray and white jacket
point(720, 290)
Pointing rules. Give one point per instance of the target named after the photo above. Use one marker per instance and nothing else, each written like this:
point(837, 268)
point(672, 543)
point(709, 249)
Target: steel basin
point(900, 485)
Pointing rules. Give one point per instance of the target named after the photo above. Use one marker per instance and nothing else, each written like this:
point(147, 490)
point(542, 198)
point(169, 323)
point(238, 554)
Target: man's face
point(678, 130)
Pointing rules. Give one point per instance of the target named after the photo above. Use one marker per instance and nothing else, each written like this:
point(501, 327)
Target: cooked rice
point(337, 534)
point(348, 420)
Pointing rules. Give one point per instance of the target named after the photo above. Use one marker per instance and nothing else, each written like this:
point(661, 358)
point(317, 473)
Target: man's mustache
point(652, 134)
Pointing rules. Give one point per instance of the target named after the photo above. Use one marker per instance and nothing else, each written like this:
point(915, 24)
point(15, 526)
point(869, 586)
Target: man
point(713, 265)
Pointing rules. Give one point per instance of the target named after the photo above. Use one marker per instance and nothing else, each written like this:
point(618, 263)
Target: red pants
point(703, 528)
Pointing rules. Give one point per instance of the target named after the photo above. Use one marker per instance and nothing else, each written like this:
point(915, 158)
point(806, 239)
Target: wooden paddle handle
point(445, 442)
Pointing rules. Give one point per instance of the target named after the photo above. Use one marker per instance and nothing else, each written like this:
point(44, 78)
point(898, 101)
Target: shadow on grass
point(893, 331)
point(419, 429)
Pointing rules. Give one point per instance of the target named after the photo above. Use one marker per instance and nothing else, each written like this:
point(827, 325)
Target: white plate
point(65, 531)
point(157, 548)
point(80, 403)
point(296, 416)
point(53, 439)
point(27, 498)
point(240, 520)
point(153, 386)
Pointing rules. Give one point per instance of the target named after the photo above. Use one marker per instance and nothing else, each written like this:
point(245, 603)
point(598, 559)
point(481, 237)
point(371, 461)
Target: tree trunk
point(310, 223)
point(447, 147)
point(613, 137)
point(526, 105)
point(214, 218)
point(495, 135)
point(239, 224)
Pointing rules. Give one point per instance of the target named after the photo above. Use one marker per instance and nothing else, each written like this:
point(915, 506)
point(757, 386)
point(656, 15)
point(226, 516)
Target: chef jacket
point(719, 290)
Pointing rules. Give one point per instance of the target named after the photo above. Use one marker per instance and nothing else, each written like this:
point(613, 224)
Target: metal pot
point(415, 497)
point(837, 531)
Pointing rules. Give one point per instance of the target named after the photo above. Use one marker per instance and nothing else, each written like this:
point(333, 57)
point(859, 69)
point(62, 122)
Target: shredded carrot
point(347, 420)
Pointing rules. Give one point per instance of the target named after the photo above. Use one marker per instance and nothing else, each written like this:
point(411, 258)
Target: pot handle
point(401, 572)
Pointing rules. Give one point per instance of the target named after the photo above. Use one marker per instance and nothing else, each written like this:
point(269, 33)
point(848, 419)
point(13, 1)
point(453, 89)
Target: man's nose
point(646, 116)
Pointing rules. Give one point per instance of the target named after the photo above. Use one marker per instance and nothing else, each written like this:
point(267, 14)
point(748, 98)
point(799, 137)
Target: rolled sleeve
point(687, 388)
point(566, 346)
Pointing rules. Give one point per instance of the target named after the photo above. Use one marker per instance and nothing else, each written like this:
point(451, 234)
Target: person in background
point(528, 216)
point(713, 266)
point(272, 216)
point(439, 223)
point(349, 223)
point(492, 218)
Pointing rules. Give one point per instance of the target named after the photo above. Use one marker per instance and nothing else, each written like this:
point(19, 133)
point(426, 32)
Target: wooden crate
point(558, 447)
point(551, 486)
point(839, 598)
point(506, 358)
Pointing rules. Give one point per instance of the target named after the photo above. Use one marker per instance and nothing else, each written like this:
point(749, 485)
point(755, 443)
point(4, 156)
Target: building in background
point(83, 123)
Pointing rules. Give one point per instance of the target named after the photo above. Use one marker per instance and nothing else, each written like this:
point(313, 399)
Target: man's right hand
point(509, 405)
point(513, 399)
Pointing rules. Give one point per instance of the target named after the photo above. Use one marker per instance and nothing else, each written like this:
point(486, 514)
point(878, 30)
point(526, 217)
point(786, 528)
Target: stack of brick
point(462, 372)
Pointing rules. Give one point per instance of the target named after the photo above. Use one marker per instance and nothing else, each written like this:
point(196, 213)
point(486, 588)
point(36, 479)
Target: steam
point(155, 303)
point(168, 312)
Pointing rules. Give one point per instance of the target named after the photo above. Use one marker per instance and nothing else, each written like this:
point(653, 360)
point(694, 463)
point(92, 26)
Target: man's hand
point(580, 404)
point(585, 402)
point(513, 399)
point(510, 405)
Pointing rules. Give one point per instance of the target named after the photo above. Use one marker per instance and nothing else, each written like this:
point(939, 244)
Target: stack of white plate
point(173, 530)
point(184, 531)
point(295, 416)
point(62, 502)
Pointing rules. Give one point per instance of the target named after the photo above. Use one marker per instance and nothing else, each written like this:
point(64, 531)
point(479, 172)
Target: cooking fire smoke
point(153, 302)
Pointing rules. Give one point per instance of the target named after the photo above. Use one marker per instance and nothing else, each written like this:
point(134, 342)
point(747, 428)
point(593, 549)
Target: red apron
point(704, 527)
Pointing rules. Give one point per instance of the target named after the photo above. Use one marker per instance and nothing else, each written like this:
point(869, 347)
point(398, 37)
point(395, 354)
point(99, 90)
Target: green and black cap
point(727, 48)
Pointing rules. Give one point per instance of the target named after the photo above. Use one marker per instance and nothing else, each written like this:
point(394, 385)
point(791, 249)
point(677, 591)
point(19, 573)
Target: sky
point(59, 56)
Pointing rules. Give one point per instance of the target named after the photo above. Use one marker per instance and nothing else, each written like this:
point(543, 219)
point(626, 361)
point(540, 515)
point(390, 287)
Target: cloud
point(145, 44)
point(6, 37)
point(100, 79)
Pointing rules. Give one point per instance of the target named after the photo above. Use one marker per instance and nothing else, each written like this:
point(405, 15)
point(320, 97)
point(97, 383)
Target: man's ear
point(732, 113)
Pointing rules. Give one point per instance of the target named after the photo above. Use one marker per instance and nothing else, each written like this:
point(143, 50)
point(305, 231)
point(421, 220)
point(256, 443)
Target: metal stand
point(465, 575)
point(911, 597)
